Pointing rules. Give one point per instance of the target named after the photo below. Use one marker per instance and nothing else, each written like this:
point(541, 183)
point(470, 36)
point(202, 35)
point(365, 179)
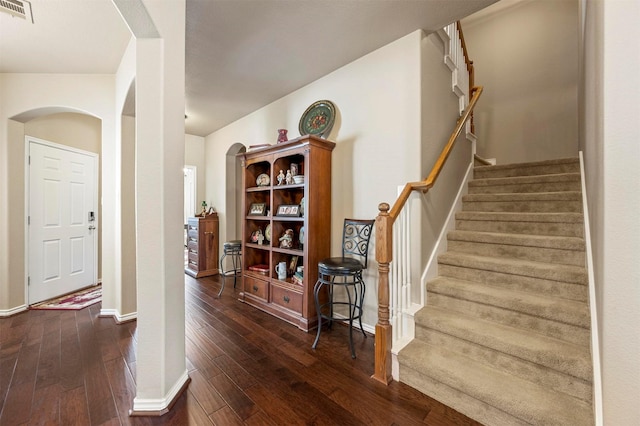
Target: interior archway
point(233, 185)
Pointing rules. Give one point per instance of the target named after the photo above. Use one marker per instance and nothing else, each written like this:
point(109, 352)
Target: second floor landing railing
point(384, 244)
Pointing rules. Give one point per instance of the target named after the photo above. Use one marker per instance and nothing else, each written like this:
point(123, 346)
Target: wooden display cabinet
point(290, 299)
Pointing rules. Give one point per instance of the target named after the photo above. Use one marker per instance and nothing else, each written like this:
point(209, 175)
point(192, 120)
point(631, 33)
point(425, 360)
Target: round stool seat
point(339, 266)
point(233, 245)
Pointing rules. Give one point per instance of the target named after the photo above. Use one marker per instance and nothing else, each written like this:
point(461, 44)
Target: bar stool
point(344, 272)
point(233, 249)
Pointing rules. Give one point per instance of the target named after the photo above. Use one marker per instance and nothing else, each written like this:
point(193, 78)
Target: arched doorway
point(233, 185)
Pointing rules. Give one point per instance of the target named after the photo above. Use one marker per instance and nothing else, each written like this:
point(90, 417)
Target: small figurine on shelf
point(289, 178)
point(282, 135)
point(286, 241)
point(203, 213)
point(281, 177)
point(257, 236)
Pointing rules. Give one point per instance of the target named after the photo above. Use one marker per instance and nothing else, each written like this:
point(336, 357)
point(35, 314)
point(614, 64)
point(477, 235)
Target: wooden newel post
point(384, 237)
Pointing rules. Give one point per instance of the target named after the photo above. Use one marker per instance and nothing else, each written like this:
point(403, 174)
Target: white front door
point(62, 220)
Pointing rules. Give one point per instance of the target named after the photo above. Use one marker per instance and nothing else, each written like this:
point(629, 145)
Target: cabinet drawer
point(286, 298)
point(193, 262)
point(256, 287)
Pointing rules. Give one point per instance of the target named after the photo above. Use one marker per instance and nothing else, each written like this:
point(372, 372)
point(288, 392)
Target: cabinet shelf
point(293, 185)
point(288, 300)
point(292, 252)
point(288, 219)
point(258, 189)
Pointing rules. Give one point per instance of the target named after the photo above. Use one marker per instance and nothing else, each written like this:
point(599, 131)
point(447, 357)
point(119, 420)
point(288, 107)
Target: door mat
point(74, 301)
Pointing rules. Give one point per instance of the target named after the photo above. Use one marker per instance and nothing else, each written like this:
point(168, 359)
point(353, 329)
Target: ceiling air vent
point(19, 8)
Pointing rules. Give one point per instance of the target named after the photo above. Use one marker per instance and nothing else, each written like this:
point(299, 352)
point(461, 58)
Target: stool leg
point(360, 303)
point(351, 312)
point(234, 259)
point(316, 291)
point(222, 274)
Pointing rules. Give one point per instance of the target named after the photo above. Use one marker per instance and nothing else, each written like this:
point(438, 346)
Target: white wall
point(377, 135)
point(525, 54)
point(612, 153)
point(25, 97)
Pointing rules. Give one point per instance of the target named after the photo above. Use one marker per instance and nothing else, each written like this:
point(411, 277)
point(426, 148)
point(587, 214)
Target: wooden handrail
point(426, 184)
point(384, 245)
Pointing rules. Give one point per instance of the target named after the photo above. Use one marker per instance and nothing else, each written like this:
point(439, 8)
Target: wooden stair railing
point(470, 68)
point(384, 239)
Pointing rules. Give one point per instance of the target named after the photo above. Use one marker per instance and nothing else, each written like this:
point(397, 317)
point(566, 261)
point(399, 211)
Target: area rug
point(74, 301)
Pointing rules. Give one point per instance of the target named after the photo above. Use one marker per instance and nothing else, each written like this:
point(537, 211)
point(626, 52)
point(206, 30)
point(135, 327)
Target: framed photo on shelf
point(257, 209)
point(293, 264)
point(292, 210)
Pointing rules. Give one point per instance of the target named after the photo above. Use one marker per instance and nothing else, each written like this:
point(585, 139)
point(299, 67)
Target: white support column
point(159, 28)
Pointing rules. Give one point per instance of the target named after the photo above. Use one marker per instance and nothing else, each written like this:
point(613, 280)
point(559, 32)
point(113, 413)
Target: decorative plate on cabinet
point(318, 119)
point(267, 233)
point(263, 180)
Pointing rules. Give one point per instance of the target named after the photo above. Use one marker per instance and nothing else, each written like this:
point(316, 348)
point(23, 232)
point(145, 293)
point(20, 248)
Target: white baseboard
point(595, 339)
point(117, 317)
point(159, 405)
point(13, 311)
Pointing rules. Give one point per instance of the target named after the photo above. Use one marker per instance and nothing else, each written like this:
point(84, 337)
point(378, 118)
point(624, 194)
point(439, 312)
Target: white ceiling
point(240, 54)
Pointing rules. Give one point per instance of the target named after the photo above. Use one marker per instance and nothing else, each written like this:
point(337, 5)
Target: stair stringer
point(430, 272)
point(595, 339)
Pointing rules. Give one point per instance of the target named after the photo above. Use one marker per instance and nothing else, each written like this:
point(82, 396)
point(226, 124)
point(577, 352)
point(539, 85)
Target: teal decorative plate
point(318, 119)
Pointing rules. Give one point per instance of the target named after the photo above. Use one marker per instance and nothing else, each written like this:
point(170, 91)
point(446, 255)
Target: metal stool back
point(344, 272)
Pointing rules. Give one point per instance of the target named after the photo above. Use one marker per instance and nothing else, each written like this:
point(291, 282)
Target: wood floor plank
point(17, 407)
point(235, 398)
point(226, 417)
point(45, 409)
point(206, 395)
point(123, 387)
point(8, 360)
point(48, 372)
point(102, 407)
point(200, 359)
point(240, 376)
point(71, 369)
point(279, 409)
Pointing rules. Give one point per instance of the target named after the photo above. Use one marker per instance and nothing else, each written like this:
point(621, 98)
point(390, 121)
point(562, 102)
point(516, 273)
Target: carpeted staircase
point(505, 335)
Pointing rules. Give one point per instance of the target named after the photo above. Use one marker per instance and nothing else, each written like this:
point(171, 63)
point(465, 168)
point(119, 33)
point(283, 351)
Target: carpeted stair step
point(561, 250)
point(542, 183)
point(563, 357)
point(562, 319)
point(565, 281)
point(568, 201)
point(563, 165)
point(558, 224)
point(507, 363)
point(485, 393)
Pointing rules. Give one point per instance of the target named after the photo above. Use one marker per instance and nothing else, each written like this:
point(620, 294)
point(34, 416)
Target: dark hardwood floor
point(246, 368)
